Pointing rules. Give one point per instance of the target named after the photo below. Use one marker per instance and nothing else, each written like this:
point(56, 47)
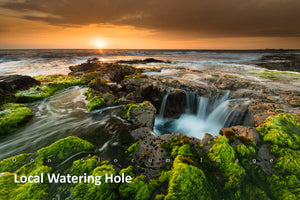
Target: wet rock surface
point(12, 83)
point(127, 141)
point(283, 62)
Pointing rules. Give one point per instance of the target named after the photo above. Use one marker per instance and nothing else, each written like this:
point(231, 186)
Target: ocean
point(57, 61)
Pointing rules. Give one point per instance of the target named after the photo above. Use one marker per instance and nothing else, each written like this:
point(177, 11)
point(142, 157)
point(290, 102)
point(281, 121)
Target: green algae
point(97, 100)
point(187, 182)
point(139, 188)
point(12, 115)
point(281, 129)
point(126, 114)
point(30, 190)
point(276, 75)
point(245, 152)
point(222, 150)
point(237, 181)
point(286, 188)
point(13, 163)
point(63, 148)
point(133, 148)
point(282, 132)
point(92, 191)
point(11, 190)
point(49, 85)
point(84, 166)
point(231, 178)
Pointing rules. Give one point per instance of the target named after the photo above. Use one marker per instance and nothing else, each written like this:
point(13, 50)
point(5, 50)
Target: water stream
point(59, 116)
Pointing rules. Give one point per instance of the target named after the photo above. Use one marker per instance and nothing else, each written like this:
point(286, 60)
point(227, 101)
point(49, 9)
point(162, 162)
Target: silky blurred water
point(57, 61)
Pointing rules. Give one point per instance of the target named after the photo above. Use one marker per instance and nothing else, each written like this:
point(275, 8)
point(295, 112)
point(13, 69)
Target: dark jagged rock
point(108, 71)
point(17, 82)
point(282, 62)
point(10, 84)
point(145, 61)
point(175, 105)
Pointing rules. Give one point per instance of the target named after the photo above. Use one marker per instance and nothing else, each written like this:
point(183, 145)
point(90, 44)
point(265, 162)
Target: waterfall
point(202, 107)
point(163, 105)
point(190, 101)
point(220, 113)
point(211, 115)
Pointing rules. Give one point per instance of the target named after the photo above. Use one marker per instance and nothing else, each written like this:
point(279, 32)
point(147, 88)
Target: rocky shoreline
point(261, 157)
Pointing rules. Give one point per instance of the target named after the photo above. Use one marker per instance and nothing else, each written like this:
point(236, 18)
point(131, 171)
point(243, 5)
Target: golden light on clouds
point(133, 24)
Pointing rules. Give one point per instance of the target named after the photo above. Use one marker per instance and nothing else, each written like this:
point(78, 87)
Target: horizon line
point(276, 49)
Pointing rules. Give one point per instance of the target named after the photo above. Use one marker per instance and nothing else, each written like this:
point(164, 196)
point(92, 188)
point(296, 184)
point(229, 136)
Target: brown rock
point(247, 132)
point(258, 119)
point(175, 105)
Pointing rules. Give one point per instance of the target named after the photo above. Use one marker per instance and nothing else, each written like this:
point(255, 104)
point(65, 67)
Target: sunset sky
point(150, 24)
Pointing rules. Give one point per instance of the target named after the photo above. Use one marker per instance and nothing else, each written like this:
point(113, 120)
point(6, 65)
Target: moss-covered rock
point(235, 182)
point(282, 132)
point(285, 188)
point(104, 191)
point(11, 190)
point(140, 188)
point(281, 129)
point(187, 182)
point(13, 163)
point(97, 100)
point(142, 114)
point(84, 166)
point(12, 115)
point(63, 149)
point(49, 85)
point(245, 152)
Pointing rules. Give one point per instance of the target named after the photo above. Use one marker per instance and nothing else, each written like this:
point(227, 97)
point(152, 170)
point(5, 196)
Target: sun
point(99, 44)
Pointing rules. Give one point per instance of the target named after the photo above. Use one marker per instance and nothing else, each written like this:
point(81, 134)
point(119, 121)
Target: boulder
point(141, 115)
point(108, 71)
point(10, 84)
point(17, 82)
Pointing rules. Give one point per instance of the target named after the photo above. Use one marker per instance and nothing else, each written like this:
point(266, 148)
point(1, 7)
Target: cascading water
point(190, 101)
point(211, 115)
point(162, 107)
